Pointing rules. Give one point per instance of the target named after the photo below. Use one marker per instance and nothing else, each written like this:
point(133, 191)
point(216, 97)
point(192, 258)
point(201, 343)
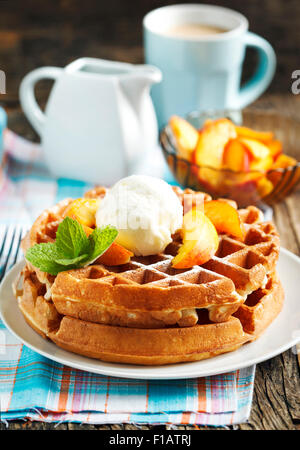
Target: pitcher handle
point(27, 97)
point(264, 73)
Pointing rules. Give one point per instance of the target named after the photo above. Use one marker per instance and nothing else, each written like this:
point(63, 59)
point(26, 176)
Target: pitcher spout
point(136, 84)
point(150, 74)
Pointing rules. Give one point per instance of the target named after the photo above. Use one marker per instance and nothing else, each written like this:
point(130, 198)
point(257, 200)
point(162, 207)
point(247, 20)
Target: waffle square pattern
point(147, 312)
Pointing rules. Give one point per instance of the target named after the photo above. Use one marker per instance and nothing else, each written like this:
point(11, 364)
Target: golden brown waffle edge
point(151, 346)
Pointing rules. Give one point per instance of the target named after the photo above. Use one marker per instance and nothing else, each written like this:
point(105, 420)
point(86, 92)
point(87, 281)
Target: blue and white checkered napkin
point(36, 388)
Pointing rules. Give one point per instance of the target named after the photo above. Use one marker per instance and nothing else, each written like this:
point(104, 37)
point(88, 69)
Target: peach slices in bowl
point(234, 161)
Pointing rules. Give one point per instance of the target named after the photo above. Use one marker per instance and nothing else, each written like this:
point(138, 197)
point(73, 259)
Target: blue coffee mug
point(203, 72)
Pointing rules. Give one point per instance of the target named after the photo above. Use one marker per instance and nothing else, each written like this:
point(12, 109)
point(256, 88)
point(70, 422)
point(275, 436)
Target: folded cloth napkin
point(36, 388)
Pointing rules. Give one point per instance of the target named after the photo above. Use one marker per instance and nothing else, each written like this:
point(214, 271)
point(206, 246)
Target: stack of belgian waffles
point(147, 312)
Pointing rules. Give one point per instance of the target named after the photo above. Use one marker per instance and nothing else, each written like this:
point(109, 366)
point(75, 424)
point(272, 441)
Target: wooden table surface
point(276, 399)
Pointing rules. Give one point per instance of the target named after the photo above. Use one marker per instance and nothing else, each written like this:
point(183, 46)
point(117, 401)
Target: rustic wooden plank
point(294, 213)
point(287, 219)
point(291, 382)
point(33, 425)
point(270, 409)
point(283, 222)
point(285, 104)
point(292, 204)
point(80, 426)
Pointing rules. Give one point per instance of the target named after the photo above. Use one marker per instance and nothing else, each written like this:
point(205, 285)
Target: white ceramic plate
point(282, 334)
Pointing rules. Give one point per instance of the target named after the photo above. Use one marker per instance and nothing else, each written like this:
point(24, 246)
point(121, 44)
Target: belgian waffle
point(149, 313)
point(150, 346)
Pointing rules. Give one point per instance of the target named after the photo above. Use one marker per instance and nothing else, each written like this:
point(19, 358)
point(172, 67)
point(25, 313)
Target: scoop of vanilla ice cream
point(146, 212)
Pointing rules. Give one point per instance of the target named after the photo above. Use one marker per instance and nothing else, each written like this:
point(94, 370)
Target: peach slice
point(236, 156)
point(87, 230)
point(212, 179)
point(84, 211)
point(186, 137)
point(275, 148)
point(212, 140)
point(225, 218)
point(261, 159)
point(264, 136)
point(257, 149)
point(264, 187)
point(283, 161)
point(261, 165)
point(115, 255)
point(200, 240)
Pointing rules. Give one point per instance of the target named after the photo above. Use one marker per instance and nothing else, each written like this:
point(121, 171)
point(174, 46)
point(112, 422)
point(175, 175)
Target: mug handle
point(27, 98)
point(264, 73)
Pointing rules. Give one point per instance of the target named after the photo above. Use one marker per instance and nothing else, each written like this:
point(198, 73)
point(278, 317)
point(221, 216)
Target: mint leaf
point(43, 256)
point(72, 249)
point(71, 240)
point(101, 239)
point(71, 261)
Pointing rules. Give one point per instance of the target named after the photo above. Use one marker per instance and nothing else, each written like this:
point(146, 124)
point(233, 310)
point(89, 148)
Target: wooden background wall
point(34, 33)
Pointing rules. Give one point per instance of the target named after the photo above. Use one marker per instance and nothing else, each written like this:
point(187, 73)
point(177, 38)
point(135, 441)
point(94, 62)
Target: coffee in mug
point(200, 50)
point(192, 30)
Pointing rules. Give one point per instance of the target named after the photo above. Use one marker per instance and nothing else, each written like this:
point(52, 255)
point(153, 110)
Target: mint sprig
point(72, 248)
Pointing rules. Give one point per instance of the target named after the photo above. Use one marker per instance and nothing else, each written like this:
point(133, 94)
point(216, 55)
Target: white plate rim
point(130, 371)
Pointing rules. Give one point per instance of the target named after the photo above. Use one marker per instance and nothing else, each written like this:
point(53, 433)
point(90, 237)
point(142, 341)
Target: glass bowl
point(252, 187)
